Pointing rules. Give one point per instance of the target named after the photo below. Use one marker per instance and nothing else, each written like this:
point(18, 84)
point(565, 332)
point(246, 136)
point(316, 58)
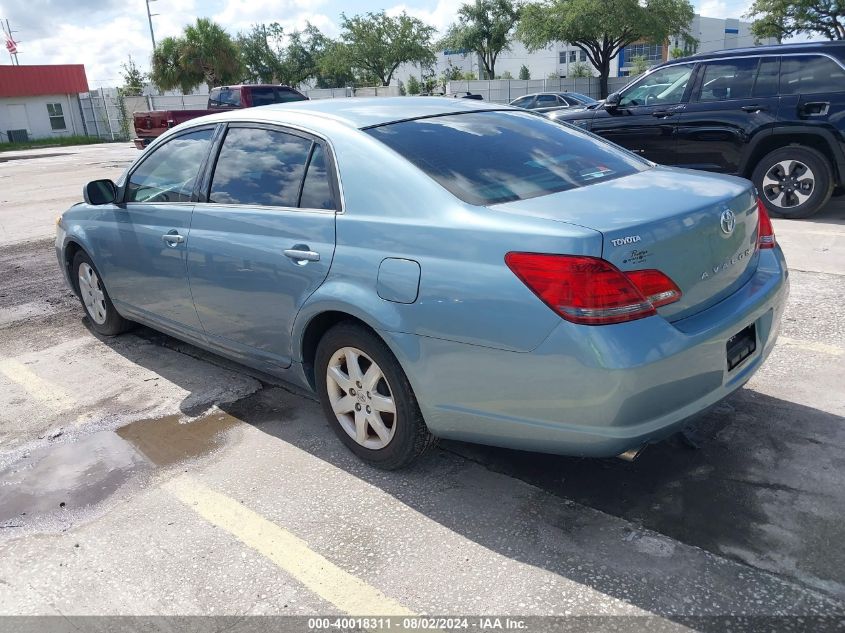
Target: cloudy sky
point(102, 33)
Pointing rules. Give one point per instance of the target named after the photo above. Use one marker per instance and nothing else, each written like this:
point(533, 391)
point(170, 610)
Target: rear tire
point(95, 298)
point(793, 181)
point(367, 398)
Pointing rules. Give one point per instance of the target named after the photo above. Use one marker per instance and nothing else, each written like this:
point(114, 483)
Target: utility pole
point(11, 44)
point(150, 20)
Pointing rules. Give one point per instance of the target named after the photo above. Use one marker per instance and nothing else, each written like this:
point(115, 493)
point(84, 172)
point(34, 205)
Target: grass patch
point(59, 141)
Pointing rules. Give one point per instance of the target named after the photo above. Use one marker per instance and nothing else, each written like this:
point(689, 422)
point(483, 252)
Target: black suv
point(773, 114)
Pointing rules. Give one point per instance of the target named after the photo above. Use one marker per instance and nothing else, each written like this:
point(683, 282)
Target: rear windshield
point(499, 156)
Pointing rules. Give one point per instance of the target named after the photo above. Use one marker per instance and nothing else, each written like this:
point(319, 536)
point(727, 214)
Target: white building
point(41, 101)
point(561, 59)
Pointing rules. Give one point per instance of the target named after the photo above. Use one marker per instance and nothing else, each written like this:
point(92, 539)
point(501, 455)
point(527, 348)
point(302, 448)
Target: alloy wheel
point(92, 293)
point(361, 398)
point(788, 183)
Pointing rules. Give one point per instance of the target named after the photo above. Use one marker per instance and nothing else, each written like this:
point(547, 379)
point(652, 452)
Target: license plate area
point(740, 346)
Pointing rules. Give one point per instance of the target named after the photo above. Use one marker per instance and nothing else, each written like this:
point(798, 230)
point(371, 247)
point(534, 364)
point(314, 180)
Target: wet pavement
point(73, 477)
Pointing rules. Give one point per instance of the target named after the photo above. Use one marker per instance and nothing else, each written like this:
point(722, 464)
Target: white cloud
point(440, 17)
point(723, 8)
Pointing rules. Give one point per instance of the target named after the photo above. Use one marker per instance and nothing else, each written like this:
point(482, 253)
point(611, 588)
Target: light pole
point(150, 19)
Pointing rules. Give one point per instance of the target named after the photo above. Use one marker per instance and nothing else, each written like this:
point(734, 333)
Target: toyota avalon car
point(541, 289)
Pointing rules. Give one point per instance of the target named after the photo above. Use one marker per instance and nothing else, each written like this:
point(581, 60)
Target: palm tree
point(204, 54)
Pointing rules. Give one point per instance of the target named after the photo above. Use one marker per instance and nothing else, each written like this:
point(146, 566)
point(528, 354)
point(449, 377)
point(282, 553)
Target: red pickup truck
point(149, 125)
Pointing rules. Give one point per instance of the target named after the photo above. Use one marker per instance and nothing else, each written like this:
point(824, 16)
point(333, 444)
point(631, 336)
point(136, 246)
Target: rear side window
point(500, 156)
point(259, 167)
point(546, 100)
point(263, 96)
point(728, 80)
point(169, 173)
point(809, 75)
point(316, 190)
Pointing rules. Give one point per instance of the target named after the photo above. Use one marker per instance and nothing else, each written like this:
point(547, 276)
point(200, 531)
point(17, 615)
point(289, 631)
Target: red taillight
point(590, 290)
point(765, 232)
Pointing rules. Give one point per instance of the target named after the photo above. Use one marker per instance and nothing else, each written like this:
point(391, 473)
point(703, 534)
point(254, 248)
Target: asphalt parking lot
point(140, 475)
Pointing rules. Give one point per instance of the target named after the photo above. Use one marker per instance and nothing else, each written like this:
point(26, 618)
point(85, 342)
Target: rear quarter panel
point(466, 292)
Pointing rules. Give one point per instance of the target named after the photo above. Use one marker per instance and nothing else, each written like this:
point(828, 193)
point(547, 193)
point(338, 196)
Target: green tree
point(262, 52)
point(204, 54)
point(209, 50)
point(376, 44)
point(469, 76)
point(413, 85)
point(484, 27)
point(639, 65)
point(580, 70)
point(676, 52)
point(602, 29)
point(785, 18)
point(303, 53)
point(168, 72)
point(133, 79)
point(505, 75)
point(524, 73)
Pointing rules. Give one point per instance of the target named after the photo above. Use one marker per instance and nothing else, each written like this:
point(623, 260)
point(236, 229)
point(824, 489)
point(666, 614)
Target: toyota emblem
point(728, 221)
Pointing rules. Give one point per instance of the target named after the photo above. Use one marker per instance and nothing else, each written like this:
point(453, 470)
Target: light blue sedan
point(439, 268)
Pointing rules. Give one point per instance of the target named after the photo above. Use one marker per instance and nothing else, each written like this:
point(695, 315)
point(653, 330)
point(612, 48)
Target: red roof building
point(41, 101)
point(34, 81)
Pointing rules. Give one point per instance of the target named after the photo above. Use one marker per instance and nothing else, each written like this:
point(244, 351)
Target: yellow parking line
point(49, 394)
point(287, 551)
point(812, 346)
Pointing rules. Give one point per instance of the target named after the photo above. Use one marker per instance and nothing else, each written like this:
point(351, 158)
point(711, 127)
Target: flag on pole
point(11, 45)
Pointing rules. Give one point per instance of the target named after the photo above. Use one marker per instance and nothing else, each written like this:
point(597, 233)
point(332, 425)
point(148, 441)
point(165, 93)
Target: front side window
point(727, 80)
point(500, 156)
point(662, 87)
point(767, 78)
point(259, 167)
point(810, 75)
point(57, 117)
point(544, 101)
point(523, 102)
point(170, 172)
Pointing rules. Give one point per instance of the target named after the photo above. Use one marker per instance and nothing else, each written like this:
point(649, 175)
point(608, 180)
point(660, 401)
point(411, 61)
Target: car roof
point(834, 48)
point(357, 112)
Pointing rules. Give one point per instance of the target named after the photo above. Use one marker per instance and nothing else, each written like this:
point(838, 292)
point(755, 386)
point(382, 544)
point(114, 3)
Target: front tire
point(793, 181)
point(367, 398)
point(95, 298)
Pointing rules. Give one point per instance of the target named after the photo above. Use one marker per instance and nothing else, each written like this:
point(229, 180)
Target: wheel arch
point(813, 139)
point(71, 248)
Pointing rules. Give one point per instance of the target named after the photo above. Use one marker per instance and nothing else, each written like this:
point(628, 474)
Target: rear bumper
point(595, 391)
point(142, 142)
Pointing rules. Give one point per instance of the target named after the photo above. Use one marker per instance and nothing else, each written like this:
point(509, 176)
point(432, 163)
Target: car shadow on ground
point(763, 488)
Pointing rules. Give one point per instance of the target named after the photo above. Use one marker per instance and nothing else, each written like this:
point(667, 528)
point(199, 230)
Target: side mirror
point(612, 101)
point(100, 192)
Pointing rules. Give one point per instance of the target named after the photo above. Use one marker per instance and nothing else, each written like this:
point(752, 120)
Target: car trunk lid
point(699, 229)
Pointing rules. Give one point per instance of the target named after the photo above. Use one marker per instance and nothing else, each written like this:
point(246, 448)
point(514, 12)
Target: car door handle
point(753, 108)
point(173, 239)
point(302, 254)
point(814, 108)
point(662, 114)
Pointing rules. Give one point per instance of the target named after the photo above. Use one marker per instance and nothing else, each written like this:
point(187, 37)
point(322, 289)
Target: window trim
point(331, 171)
point(121, 194)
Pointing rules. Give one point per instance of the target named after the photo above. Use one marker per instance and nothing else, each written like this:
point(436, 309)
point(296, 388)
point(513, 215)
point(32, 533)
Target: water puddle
point(72, 476)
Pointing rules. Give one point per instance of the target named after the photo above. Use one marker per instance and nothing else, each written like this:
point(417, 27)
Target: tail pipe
point(632, 453)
